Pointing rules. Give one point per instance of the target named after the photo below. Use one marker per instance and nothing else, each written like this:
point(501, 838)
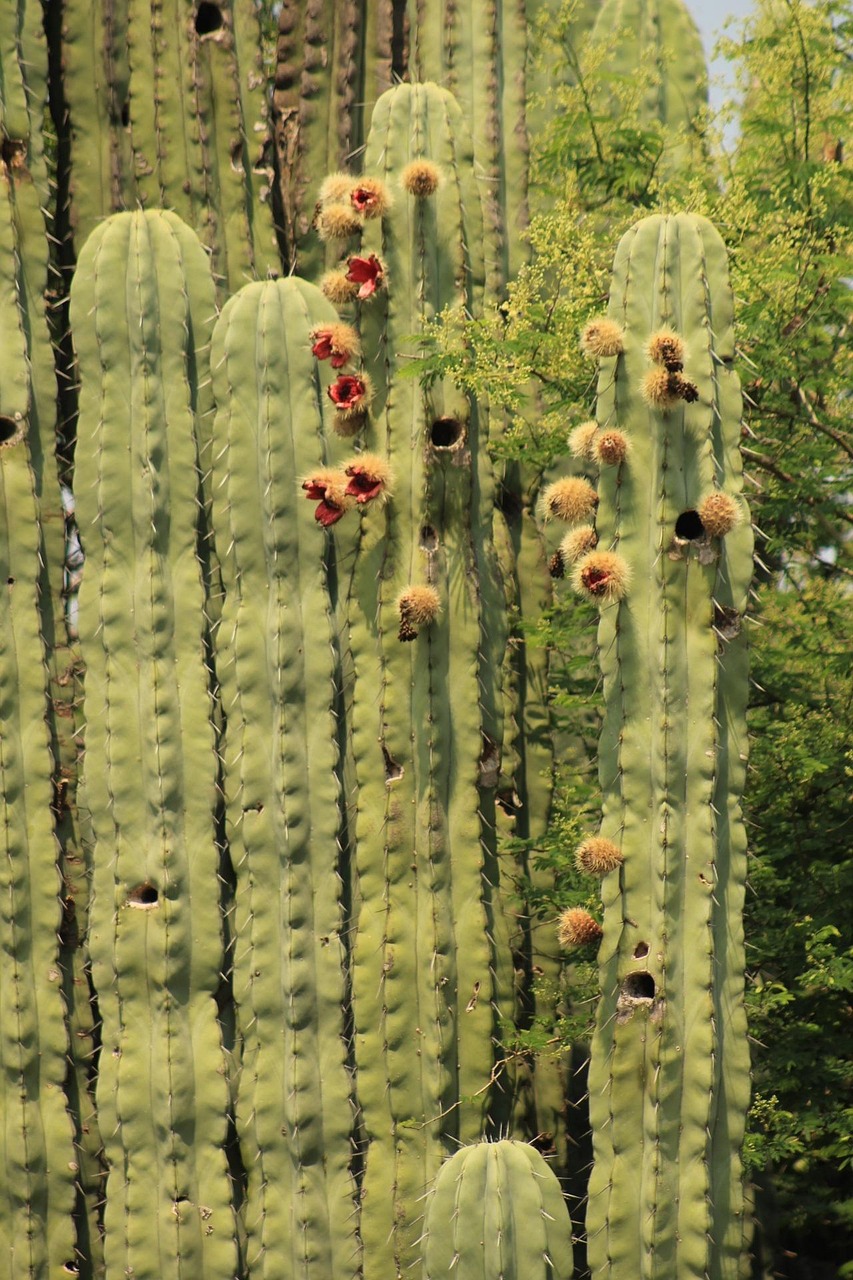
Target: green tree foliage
point(782, 197)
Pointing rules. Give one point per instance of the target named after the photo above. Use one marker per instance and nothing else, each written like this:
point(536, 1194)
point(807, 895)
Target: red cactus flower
point(348, 393)
point(327, 489)
point(369, 478)
point(367, 273)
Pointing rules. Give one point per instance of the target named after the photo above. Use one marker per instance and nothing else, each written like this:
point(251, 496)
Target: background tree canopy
point(782, 198)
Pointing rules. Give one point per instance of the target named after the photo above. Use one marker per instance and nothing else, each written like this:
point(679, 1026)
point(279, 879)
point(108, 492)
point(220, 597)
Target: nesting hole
point(639, 986)
point(429, 538)
point(10, 582)
point(446, 433)
point(509, 802)
point(8, 429)
point(393, 770)
point(208, 18)
point(689, 526)
point(14, 152)
point(641, 950)
point(727, 622)
point(144, 896)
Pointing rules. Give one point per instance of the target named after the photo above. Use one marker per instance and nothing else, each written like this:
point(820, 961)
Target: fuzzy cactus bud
point(418, 607)
point(582, 441)
point(595, 856)
point(602, 337)
point(337, 222)
point(338, 288)
point(666, 347)
point(421, 178)
point(611, 447)
point(577, 928)
point(577, 542)
point(571, 499)
point(719, 513)
point(601, 575)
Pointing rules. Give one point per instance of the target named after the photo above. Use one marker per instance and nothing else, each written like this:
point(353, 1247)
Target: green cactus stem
point(142, 306)
point(669, 1073)
point(432, 971)
point(180, 122)
point(37, 1188)
point(497, 1212)
point(655, 44)
point(278, 661)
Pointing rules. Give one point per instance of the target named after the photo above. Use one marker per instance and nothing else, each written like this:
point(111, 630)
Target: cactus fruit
point(669, 1076)
point(497, 1212)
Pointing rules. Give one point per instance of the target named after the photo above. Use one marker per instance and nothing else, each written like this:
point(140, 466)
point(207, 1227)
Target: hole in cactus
point(490, 762)
point(14, 152)
point(208, 18)
point(144, 896)
point(10, 582)
point(429, 538)
point(125, 115)
point(727, 622)
point(639, 986)
point(393, 770)
point(446, 433)
point(9, 428)
point(509, 802)
point(641, 949)
point(689, 526)
point(71, 1269)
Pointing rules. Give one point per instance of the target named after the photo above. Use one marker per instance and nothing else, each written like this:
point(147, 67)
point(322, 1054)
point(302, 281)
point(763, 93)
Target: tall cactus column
point(669, 1072)
point(278, 662)
point(432, 974)
point(142, 306)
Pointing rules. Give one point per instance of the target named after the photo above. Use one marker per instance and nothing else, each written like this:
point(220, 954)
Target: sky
point(710, 17)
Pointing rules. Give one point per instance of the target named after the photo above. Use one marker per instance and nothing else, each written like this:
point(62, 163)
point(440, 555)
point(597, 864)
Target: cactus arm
point(277, 655)
point(654, 1076)
point(150, 763)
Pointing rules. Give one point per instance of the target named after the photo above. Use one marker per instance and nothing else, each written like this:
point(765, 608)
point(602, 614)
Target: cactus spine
point(497, 1213)
point(277, 659)
point(669, 1072)
point(151, 767)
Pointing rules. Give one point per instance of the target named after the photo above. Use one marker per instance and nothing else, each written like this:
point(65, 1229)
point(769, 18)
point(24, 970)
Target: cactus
point(657, 46)
point(178, 119)
point(431, 967)
point(669, 1070)
point(497, 1212)
point(277, 657)
point(142, 307)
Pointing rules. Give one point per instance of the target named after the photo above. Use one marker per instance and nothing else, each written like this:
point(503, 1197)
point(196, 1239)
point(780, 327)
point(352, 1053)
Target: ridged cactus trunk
point(669, 1078)
point(277, 654)
point(432, 972)
point(142, 308)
